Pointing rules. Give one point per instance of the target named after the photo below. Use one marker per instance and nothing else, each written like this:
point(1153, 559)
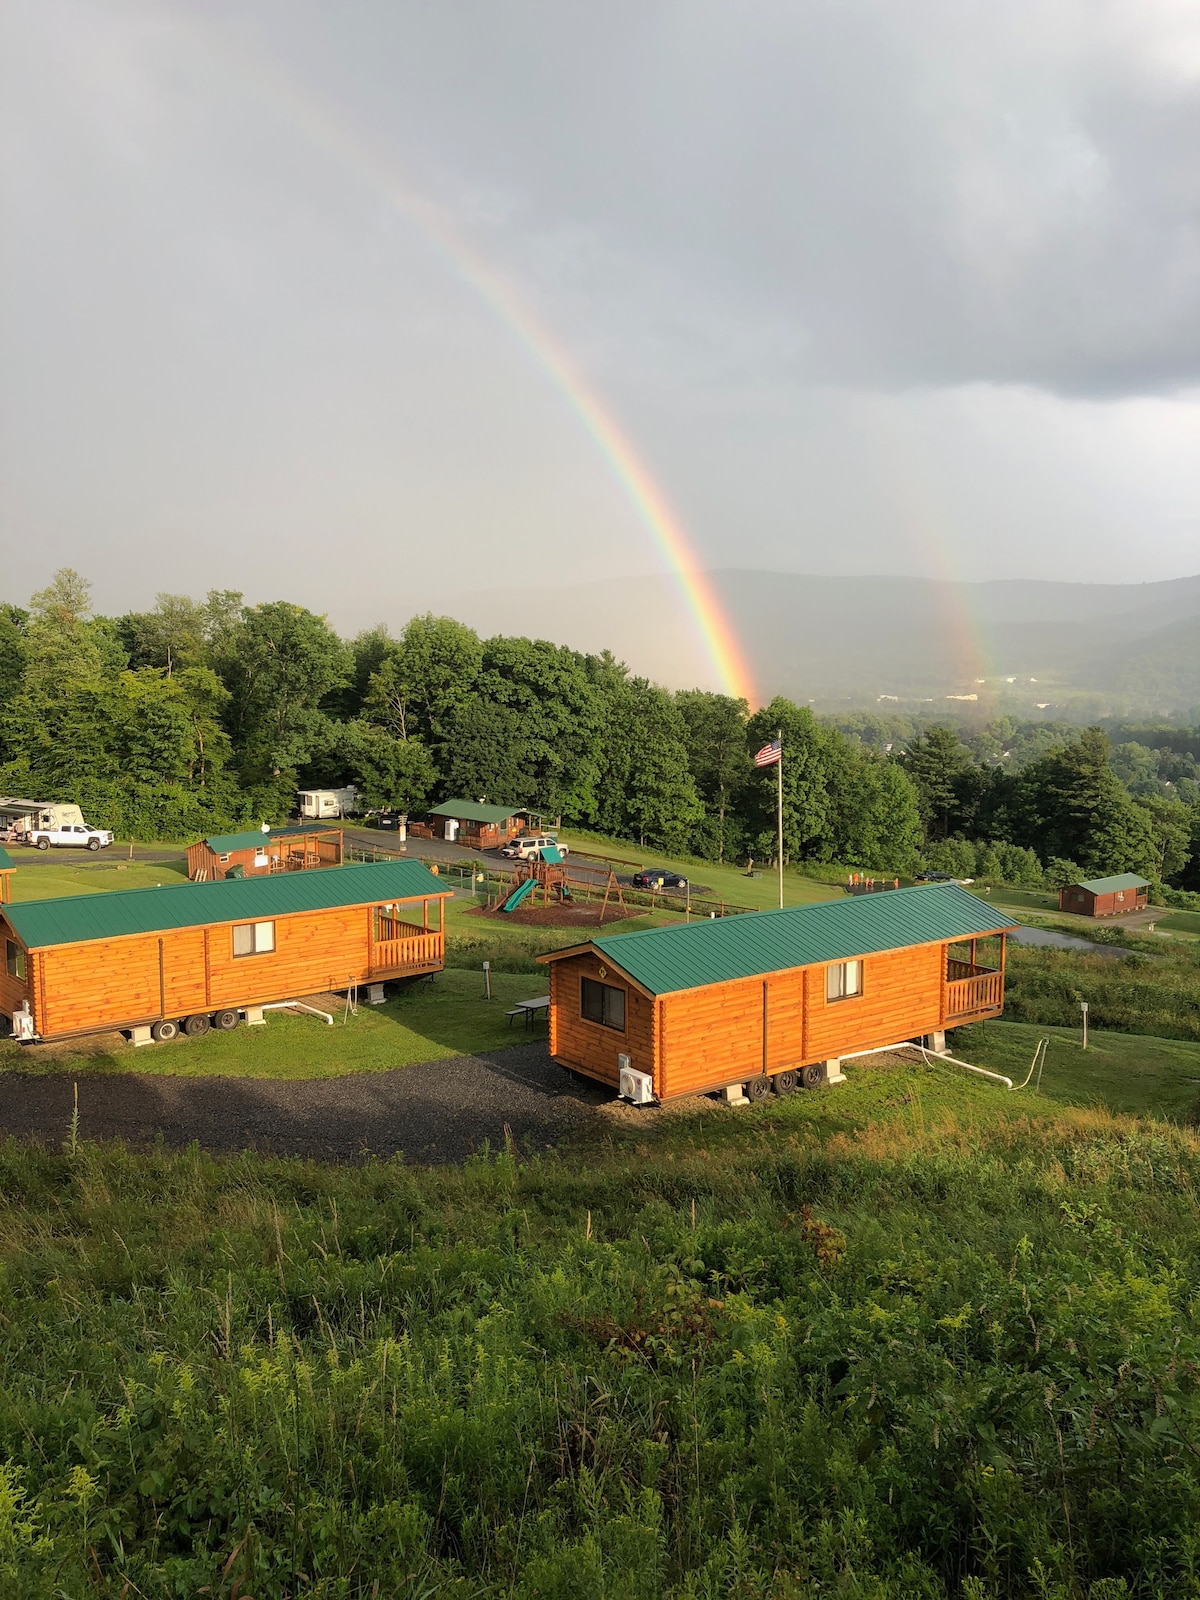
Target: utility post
point(1083, 1007)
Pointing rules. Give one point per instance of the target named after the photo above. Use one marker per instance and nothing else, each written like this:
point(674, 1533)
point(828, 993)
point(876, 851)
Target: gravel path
point(438, 1112)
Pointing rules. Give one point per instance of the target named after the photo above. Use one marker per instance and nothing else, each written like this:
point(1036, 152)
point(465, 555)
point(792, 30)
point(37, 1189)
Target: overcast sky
point(873, 288)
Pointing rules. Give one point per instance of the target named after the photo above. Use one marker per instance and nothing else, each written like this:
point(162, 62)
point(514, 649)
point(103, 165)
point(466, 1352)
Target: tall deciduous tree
point(715, 727)
point(935, 761)
point(807, 802)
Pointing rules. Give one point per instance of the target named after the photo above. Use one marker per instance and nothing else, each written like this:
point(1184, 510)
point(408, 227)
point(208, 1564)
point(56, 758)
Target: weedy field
point(913, 1338)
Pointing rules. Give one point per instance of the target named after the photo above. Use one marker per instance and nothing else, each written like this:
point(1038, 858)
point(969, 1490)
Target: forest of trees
point(199, 716)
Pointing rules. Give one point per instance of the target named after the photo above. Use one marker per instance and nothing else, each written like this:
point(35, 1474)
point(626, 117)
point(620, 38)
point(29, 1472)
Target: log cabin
point(194, 956)
point(774, 1000)
point(1105, 897)
point(295, 847)
point(478, 827)
point(7, 868)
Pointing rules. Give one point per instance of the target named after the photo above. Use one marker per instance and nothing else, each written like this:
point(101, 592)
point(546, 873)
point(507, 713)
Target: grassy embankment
point(912, 1339)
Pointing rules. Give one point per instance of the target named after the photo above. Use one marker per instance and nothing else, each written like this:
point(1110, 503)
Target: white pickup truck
point(72, 834)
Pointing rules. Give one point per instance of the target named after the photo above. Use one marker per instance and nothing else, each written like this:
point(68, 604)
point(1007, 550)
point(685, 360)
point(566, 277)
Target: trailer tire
point(42, 844)
point(196, 1027)
point(226, 1021)
point(160, 1032)
point(813, 1077)
point(758, 1088)
point(786, 1082)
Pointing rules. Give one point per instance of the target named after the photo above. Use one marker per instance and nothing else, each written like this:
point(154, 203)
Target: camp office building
point(775, 999)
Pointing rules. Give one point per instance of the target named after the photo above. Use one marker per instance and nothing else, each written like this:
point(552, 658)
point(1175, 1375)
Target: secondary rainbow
point(712, 626)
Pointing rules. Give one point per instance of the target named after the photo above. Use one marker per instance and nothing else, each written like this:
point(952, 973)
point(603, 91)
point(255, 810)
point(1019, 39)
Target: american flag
point(769, 754)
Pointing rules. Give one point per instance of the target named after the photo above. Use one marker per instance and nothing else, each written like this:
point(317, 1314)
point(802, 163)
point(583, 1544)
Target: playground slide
point(522, 893)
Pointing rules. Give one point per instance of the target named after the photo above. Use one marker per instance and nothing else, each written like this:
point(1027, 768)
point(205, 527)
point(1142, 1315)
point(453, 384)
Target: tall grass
point(1153, 989)
point(928, 1357)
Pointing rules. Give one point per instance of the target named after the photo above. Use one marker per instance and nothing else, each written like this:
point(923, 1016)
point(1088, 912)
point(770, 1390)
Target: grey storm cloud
point(874, 288)
point(932, 193)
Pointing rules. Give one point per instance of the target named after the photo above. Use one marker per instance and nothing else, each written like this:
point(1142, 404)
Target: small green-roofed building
point(475, 824)
point(7, 868)
point(291, 847)
point(1105, 897)
point(135, 958)
point(763, 998)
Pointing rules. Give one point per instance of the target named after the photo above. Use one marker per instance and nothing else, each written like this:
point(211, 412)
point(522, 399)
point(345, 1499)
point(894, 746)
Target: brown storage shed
point(774, 999)
point(293, 848)
point(198, 954)
point(1105, 897)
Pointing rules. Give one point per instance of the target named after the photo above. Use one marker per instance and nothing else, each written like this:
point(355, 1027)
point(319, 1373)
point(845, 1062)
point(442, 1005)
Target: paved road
point(438, 1112)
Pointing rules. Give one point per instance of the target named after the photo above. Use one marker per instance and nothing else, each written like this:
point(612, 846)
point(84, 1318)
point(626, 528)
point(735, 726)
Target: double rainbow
point(711, 625)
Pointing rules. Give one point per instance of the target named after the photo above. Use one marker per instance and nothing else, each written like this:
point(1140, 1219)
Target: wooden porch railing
point(969, 991)
point(417, 952)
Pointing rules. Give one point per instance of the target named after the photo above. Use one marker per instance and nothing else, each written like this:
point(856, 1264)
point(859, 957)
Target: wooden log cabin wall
point(758, 999)
point(137, 957)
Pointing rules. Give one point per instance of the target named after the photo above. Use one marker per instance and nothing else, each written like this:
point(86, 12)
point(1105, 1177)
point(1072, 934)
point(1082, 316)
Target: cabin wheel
point(196, 1027)
point(813, 1077)
point(786, 1082)
point(164, 1030)
point(225, 1021)
point(758, 1088)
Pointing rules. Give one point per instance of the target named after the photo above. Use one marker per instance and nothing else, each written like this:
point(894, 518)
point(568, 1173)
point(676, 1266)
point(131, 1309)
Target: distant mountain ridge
point(1133, 648)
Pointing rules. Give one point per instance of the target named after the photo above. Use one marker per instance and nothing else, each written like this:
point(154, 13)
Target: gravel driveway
point(438, 1112)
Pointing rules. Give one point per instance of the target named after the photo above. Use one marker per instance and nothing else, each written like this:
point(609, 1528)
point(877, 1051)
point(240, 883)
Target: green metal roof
point(664, 960)
point(79, 918)
point(226, 843)
point(468, 811)
point(1123, 880)
point(6, 861)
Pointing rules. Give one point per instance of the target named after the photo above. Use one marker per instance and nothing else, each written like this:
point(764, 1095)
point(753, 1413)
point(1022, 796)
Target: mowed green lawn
point(447, 1017)
point(42, 877)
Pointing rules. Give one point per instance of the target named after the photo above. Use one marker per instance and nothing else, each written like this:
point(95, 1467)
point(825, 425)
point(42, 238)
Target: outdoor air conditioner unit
point(636, 1087)
point(22, 1024)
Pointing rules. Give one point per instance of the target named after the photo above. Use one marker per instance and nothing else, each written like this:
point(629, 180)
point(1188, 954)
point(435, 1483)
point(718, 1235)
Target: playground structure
point(548, 880)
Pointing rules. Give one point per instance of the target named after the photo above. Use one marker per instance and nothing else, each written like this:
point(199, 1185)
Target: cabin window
point(843, 980)
point(14, 960)
point(253, 938)
point(223, 859)
point(600, 1002)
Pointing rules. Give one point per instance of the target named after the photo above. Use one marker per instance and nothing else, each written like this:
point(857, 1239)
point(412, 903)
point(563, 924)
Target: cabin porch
point(973, 987)
point(400, 947)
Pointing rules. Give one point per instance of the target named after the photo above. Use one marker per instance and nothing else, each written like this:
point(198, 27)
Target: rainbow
point(710, 623)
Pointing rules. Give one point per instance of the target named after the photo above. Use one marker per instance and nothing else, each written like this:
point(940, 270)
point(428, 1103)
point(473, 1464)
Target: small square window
point(253, 938)
point(601, 1002)
point(843, 980)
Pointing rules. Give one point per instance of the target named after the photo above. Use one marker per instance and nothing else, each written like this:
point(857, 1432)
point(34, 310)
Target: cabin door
point(783, 1020)
point(183, 972)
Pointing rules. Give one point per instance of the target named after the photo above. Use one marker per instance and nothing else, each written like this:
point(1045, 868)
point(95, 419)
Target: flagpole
point(779, 811)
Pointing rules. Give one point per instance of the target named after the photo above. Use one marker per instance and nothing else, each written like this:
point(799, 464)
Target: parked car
point(658, 878)
point(528, 846)
point(73, 834)
point(934, 877)
point(386, 819)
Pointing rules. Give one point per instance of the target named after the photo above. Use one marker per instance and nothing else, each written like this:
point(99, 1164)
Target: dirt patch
point(573, 914)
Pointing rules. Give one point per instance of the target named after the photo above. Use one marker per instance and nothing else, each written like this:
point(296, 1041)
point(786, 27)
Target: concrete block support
point(140, 1036)
point(255, 1018)
point(833, 1071)
point(733, 1096)
point(375, 994)
point(936, 1042)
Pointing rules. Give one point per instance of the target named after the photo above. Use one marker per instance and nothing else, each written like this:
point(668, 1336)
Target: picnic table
point(529, 1009)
